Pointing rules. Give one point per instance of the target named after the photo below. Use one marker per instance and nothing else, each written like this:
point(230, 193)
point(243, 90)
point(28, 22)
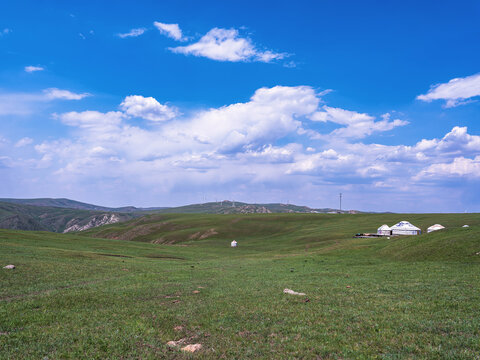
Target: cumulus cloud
point(247, 147)
point(220, 138)
point(456, 142)
point(5, 31)
point(31, 69)
point(270, 114)
point(459, 167)
point(456, 92)
point(238, 141)
point(356, 125)
point(171, 30)
point(147, 108)
point(227, 45)
point(132, 33)
point(54, 93)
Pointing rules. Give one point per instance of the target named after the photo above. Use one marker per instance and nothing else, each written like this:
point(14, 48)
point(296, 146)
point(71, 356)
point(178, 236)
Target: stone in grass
point(174, 343)
point(192, 348)
point(195, 291)
point(291, 292)
point(9, 267)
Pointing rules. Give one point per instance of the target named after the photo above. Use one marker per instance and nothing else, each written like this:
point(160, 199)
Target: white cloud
point(456, 92)
point(247, 147)
point(171, 30)
point(454, 143)
point(93, 120)
point(340, 116)
point(227, 45)
point(24, 142)
point(31, 69)
point(5, 31)
point(271, 113)
point(132, 33)
point(230, 136)
point(356, 125)
point(54, 93)
point(27, 103)
point(459, 167)
point(147, 108)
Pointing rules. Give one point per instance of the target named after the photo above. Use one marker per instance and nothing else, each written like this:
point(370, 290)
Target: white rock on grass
point(9, 267)
point(291, 292)
point(192, 348)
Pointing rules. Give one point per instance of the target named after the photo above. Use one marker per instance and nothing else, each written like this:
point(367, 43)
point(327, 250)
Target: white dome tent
point(384, 230)
point(435, 228)
point(405, 228)
point(233, 243)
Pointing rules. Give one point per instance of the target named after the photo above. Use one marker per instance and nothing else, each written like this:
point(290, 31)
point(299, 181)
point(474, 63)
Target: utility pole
point(340, 201)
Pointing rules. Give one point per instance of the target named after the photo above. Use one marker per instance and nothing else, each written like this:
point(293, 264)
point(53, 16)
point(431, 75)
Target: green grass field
point(123, 291)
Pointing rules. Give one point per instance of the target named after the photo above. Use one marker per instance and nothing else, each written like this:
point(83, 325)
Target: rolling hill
point(218, 207)
point(56, 219)
point(69, 204)
point(297, 230)
point(78, 296)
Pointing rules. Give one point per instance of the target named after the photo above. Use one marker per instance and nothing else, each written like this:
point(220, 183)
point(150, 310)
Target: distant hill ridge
point(218, 207)
point(67, 204)
point(65, 215)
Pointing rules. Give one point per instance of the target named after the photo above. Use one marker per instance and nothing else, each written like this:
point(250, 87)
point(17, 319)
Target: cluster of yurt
point(401, 228)
point(405, 228)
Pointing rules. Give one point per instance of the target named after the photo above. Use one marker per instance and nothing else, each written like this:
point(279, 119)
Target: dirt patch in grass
point(158, 256)
point(115, 255)
point(201, 236)
point(139, 231)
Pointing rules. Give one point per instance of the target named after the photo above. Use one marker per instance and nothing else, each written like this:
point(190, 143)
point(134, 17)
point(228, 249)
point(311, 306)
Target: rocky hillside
point(56, 219)
point(93, 221)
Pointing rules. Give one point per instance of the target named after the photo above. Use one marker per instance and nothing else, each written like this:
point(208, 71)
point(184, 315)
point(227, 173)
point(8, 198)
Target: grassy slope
point(292, 231)
point(369, 298)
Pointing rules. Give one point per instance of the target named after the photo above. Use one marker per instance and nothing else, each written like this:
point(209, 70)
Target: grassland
point(125, 290)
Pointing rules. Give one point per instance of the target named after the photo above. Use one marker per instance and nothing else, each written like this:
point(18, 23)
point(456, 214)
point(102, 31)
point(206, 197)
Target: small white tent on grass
point(384, 230)
point(435, 228)
point(405, 228)
point(233, 243)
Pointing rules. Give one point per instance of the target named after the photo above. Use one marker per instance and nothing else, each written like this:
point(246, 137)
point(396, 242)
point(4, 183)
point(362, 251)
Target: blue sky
point(167, 103)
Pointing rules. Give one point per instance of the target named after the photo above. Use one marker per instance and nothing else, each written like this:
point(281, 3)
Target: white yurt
point(384, 230)
point(405, 228)
point(465, 226)
point(233, 243)
point(435, 228)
